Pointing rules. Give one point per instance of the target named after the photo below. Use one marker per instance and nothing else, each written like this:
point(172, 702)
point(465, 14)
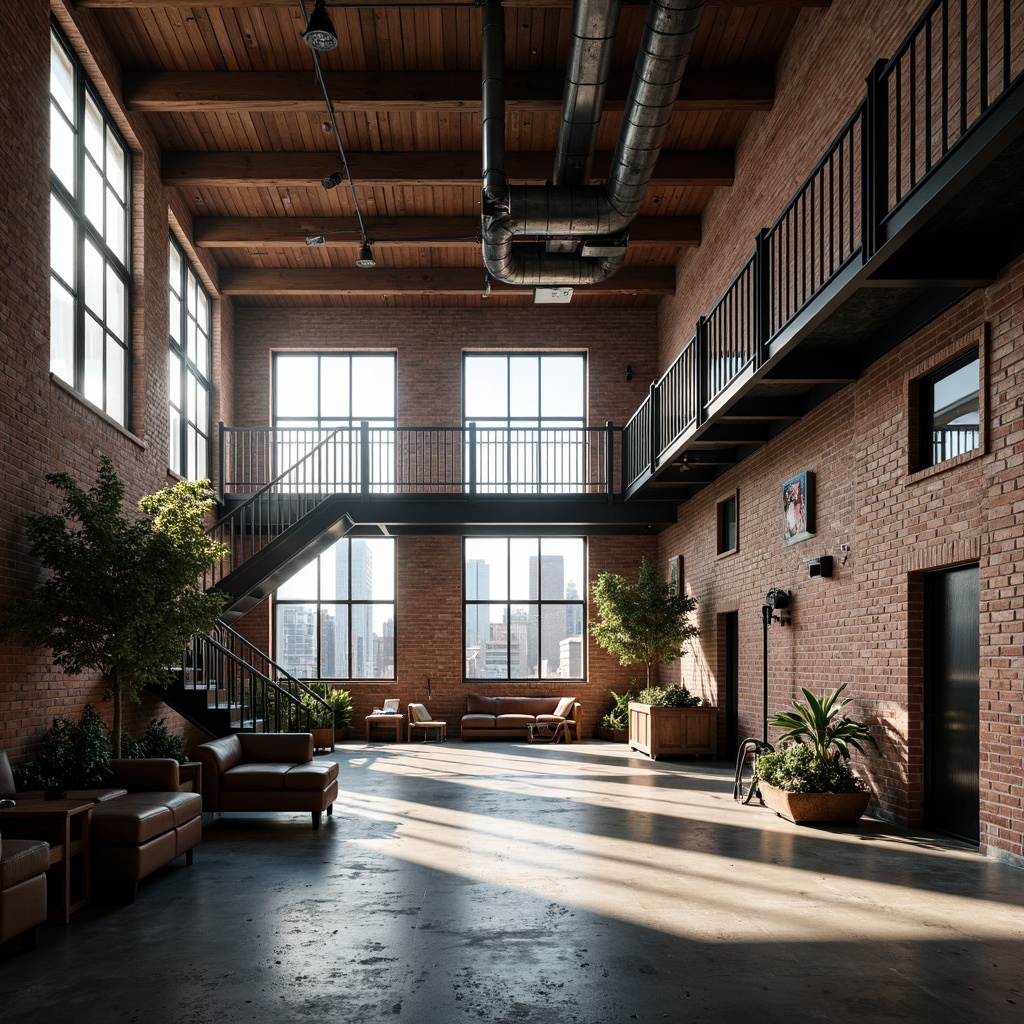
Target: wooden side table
point(65, 825)
point(395, 722)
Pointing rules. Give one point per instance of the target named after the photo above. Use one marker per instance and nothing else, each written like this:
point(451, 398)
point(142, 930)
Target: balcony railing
point(370, 460)
point(958, 60)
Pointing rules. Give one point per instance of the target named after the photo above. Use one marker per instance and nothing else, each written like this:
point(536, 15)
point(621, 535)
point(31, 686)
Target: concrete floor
point(515, 883)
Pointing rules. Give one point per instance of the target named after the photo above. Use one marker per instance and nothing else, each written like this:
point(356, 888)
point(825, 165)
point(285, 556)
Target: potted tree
point(810, 778)
point(123, 594)
point(643, 621)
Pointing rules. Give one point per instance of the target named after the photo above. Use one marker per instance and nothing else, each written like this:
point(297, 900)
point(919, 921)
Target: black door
point(729, 623)
point(952, 626)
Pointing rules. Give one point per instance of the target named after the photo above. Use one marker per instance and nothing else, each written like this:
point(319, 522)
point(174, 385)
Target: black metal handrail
point(248, 652)
point(231, 683)
point(920, 106)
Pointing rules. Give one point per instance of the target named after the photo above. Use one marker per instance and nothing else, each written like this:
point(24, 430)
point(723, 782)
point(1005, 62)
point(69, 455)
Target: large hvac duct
point(570, 212)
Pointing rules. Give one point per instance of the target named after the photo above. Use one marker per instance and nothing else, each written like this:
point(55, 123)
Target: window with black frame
point(90, 224)
point(335, 617)
point(525, 607)
point(189, 365)
point(950, 407)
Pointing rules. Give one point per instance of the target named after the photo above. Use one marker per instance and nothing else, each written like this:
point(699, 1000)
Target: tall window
point(190, 370)
point(529, 414)
point(950, 411)
point(316, 393)
point(525, 610)
point(90, 279)
point(335, 618)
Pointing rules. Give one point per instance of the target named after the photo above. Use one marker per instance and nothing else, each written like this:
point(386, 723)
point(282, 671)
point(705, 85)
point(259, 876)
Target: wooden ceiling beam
point(388, 232)
point(291, 4)
point(418, 91)
point(651, 281)
point(378, 170)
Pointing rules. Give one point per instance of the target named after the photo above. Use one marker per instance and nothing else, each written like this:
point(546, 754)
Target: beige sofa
point(507, 718)
point(251, 771)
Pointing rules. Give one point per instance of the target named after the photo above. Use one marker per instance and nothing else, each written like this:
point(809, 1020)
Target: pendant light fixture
point(320, 34)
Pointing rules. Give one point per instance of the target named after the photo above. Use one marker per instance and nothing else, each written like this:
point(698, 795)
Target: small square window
point(727, 525)
point(950, 411)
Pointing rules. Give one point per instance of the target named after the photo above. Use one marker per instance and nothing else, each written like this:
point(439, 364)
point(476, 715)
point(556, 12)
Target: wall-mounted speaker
point(820, 567)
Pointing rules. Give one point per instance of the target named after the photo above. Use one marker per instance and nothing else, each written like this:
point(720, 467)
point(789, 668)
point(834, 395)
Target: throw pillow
point(565, 706)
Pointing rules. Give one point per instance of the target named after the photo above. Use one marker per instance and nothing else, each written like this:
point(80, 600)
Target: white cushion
point(565, 706)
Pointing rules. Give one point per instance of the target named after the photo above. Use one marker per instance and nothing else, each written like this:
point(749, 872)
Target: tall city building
point(546, 629)
point(573, 612)
point(478, 588)
point(297, 639)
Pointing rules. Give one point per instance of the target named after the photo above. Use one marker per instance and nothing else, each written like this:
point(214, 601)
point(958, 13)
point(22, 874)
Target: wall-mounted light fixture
point(629, 372)
point(777, 602)
point(320, 34)
point(821, 566)
point(333, 180)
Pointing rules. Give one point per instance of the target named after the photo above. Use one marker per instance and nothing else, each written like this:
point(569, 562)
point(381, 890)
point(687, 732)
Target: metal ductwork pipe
point(581, 211)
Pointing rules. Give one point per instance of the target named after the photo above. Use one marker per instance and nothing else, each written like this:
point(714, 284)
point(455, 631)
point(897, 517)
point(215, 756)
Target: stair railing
point(272, 509)
point(248, 652)
point(253, 700)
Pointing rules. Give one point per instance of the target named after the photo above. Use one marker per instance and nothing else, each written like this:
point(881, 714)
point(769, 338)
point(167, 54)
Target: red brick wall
point(429, 347)
point(45, 426)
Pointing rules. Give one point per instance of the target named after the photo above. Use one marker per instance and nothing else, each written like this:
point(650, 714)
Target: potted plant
point(321, 722)
point(614, 723)
point(810, 779)
point(73, 755)
point(122, 594)
point(672, 721)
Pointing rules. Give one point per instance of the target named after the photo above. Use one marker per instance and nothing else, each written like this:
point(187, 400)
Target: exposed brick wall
point(429, 346)
point(46, 426)
point(864, 626)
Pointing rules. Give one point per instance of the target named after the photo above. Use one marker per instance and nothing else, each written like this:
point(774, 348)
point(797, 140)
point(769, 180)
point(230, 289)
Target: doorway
point(729, 632)
point(951, 725)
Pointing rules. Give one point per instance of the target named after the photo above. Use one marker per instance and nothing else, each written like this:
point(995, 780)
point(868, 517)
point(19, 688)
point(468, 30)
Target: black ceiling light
point(365, 258)
point(320, 34)
point(332, 180)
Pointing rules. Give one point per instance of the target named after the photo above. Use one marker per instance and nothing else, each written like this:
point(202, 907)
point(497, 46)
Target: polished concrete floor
point(515, 883)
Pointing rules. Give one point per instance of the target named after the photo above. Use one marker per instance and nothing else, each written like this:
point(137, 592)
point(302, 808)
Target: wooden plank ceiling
point(230, 92)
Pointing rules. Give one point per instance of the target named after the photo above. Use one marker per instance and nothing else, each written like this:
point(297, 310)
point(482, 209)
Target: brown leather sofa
point(142, 824)
point(23, 865)
point(506, 718)
point(250, 771)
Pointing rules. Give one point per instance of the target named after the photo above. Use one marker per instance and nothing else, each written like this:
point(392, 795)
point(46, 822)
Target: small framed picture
point(798, 508)
point(675, 575)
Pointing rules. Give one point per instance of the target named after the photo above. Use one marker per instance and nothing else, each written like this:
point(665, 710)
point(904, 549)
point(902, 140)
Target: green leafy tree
point(122, 595)
point(641, 621)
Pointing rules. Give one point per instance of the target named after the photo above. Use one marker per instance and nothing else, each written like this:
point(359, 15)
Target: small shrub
point(796, 769)
point(74, 755)
point(341, 703)
point(156, 741)
point(617, 716)
point(673, 697)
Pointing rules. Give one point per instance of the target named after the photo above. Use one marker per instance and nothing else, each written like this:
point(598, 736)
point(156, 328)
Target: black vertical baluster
point(1006, 45)
point(898, 132)
point(928, 95)
point(912, 103)
point(963, 68)
point(983, 57)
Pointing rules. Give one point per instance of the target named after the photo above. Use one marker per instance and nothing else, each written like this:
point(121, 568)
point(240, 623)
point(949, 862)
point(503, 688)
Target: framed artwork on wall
point(675, 575)
point(798, 508)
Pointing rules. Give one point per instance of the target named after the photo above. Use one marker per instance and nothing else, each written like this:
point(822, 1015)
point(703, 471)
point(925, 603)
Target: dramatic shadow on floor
point(515, 883)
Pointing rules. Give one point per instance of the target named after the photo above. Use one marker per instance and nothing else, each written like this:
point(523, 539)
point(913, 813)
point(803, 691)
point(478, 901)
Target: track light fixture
point(320, 34)
point(365, 258)
point(332, 180)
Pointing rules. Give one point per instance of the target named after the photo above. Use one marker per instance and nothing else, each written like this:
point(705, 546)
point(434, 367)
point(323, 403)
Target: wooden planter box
point(615, 735)
point(798, 807)
point(673, 732)
point(323, 740)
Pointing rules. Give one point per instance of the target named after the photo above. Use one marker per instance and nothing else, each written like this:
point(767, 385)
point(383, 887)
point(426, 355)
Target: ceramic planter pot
point(799, 807)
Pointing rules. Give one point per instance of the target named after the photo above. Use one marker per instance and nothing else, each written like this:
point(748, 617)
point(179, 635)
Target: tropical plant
point(73, 755)
point(641, 621)
point(798, 769)
point(156, 741)
point(320, 717)
point(823, 724)
point(122, 594)
point(617, 716)
point(671, 697)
